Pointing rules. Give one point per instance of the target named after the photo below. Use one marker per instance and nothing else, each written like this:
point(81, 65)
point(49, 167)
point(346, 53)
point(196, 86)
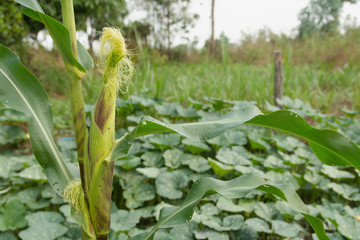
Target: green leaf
point(243, 205)
point(232, 157)
point(258, 225)
point(219, 168)
point(8, 165)
point(285, 229)
point(34, 172)
point(195, 147)
point(12, 215)
point(197, 163)
point(211, 235)
point(199, 131)
point(138, 194)
point(168, 184)
point(329, 146)
point(29, 196)
point(348, 226)
point(174, 158)
point(7, 236)
point(172, 216)
point(335, 173)
point(40, 217)
point(43, 230)
point(22, 91)
point(153, 159)
point(165, 141)
point(124, 220)
point(232, 222)
point(60, 35)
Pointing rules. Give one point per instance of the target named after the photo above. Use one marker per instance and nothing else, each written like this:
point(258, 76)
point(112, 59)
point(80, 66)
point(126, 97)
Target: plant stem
point(76, 95)
point(69, 21)
point(76, 100)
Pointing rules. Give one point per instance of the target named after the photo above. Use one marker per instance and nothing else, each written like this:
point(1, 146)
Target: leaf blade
point(60, 35)
point(22, 91)
point(329, 146)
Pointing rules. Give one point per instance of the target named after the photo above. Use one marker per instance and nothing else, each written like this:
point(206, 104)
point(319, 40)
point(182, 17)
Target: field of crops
point(160, 169)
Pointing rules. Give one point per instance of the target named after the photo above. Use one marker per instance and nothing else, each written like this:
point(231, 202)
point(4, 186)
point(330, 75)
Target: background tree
point(320, 16)
point(167, 17)
point(12, 27)
point(93, 15)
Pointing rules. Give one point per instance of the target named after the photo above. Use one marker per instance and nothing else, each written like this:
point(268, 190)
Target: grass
point(329, 90)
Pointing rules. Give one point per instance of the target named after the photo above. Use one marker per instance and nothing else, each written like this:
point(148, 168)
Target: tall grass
point(327, 89)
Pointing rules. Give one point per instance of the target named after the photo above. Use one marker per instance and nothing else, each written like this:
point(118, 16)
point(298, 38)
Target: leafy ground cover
point(160, 169)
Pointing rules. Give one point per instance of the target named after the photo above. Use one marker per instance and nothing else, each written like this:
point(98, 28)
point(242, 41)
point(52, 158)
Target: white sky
point(234, 16)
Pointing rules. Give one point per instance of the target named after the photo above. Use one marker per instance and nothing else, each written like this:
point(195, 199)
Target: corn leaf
point(61, 36)
point(198, 131)
point(20, 90)
point(236, 188)
point(329, 146)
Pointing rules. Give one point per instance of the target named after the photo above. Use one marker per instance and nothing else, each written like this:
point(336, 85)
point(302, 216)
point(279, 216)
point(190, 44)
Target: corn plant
point(88, 189)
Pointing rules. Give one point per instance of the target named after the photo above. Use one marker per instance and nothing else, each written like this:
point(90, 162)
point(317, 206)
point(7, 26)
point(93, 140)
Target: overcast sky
point(234, 16)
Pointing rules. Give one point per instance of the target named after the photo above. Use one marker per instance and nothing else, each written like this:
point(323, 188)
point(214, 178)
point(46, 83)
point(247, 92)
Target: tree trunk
point(212, 40)
point(278, 78)
point(168, 26)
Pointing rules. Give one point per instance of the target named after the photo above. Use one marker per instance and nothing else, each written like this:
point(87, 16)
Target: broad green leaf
point(43, 230)
point(268, 212)
point(165, 141)
point(197, 163)
point(128, 162)
point(335, 173)
point(12, 215)
point(138, 194)
point(258, 225)
point(228, 139)
point(60, 35)
point(136, 189)
point(232, 157)
point(34, 172)
point(8, 165)
point(11, 134)
point(348, 226)
point(22, 91)
point(30, 197)
point(329, 146)
point(151, 172)
point(174, 158)
point(348, 192)
point(246, 233)
point(7, 236)
point(231, 222)
point(168, 184)
point(219, 168)
point(123, 220)
point(211, 235)
point(285, 229)
point(195, 147)
point(39, 217)
point(153, 159)
point(243, 205)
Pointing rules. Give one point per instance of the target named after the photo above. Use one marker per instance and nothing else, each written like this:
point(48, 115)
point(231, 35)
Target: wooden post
point(278, 78)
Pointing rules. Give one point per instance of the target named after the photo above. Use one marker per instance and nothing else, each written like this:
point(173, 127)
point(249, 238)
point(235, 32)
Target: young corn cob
point(117, 70)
